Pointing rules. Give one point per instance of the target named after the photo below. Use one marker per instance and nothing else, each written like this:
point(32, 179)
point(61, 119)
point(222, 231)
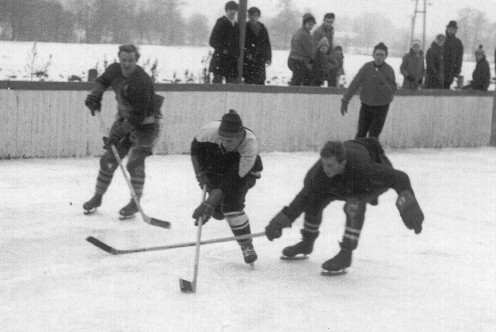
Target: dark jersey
point(206, 146)
point(366, 171)
point(135, 95)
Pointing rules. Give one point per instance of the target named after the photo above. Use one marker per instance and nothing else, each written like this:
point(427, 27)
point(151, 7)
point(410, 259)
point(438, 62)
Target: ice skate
point(91, 205)
point(301, 249)
point(338, 264)
point(249, 254)
point(128, 211)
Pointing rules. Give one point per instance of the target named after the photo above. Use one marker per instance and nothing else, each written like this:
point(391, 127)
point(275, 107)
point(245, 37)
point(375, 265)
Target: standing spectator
point(413, 67)
point(258, 52)
point(453, 55)
point(326, 30)
point(323, 63)
point(225, 41)
point(378, 85)
point(337, 72)
point(481, 77)
point(435, 64)
point(302, 52)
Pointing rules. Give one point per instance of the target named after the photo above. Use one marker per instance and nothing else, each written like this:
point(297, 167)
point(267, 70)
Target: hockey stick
point(147, 219)
point(190, 286)
point(111, 250)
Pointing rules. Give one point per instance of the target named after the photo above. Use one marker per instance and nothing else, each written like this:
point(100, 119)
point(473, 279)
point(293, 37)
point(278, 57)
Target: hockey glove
point(275, 226)
point(93, 102)
point(344, 107)
point(125, 128)
point(410, 211)
point(203, 179)
point(207, 208)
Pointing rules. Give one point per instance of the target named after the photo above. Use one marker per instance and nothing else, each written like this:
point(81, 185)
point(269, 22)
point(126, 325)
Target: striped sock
point(240, 225)
point(103, 181)
point(138, 182)
point(350, 238)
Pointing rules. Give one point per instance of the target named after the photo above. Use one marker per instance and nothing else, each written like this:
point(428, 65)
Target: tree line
point(161, 22)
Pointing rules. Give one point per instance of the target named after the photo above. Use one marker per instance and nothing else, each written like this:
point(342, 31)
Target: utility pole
point(414, 18)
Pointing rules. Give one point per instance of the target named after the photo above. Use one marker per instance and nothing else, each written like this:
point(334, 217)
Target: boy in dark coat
point(355, 172)
point(302, 52)
point(481, 77)
point(434, 74)
point(258, 52)
point(225, 41)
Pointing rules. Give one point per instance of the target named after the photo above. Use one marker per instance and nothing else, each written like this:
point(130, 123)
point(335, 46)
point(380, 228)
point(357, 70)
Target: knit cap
point(231, 125)
point(480, 51)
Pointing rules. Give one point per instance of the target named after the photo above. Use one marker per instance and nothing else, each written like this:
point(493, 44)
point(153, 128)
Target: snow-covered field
point(16, 61)
point(51, 279)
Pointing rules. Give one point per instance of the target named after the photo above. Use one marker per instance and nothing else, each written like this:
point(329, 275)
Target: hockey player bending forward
point(355, 172)
point(135, 129)
point(225, 159)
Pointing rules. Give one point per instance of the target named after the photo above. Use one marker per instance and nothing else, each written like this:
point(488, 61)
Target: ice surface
point(51, 279)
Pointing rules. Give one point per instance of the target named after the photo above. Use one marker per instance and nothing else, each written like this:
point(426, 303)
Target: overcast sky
point(439, 12)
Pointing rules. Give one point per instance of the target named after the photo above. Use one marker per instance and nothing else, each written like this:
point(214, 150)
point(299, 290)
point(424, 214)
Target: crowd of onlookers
point(314, 60)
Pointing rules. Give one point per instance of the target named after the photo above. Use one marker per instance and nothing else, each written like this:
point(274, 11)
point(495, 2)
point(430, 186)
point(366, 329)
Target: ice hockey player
point(135, 129)
point(225, 159)
point(355, 172)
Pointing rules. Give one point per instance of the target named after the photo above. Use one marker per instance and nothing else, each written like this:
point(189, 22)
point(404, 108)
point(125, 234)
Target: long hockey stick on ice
point(111, 250)
point(147, 219)
point(187, 286)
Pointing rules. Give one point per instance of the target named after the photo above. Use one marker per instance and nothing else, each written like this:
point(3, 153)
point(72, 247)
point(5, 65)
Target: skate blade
point(326, 273)
point(89, 212)
point(126, 217)
point(295, 258)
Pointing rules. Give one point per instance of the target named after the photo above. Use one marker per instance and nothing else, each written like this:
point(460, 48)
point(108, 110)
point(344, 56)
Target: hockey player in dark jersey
point(135, 129)
point(225, 159)
point(355, 172)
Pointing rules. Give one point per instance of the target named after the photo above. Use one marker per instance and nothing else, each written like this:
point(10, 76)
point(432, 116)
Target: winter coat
point(322, 67)
point(225, 41)
point(453, 57)
point(324, 31)
point(257, 52)
point(434, 74)
point(378, 85)
point(303, 46)
point(413, 70)
point(481, 77)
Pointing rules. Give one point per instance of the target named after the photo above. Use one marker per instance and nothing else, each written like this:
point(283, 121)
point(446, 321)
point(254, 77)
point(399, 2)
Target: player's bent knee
point(354, 208)
point(108, 162)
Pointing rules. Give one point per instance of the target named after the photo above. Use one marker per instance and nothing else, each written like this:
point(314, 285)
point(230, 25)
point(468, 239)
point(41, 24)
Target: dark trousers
point(371, 120)
point(302, 75)
point(229, 80)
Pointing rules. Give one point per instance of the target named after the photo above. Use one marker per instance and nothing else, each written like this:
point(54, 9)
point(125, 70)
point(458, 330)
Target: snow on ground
point(172, 61)
point(51, 279)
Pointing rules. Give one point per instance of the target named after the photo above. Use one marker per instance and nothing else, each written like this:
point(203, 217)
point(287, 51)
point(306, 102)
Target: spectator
point(258, 53)
point(434, 75)
point(323, 63)
point(378, 85)
point(302, 52)
point(481, 77)
point(338, 71)
point(413, 68)
point(326, 30)
point(225, 41)
point(453, 55)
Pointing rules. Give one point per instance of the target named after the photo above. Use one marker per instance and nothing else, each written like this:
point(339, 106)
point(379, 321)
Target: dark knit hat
point(231, 125)
point(381, 46)
point(308, 17)
point(232, 5)
point(452, 24)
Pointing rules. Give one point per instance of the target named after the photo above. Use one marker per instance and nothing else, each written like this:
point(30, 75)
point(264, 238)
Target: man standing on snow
point(136, 128)
point(453, 55)
point(378, 85)
point(355, 172)
point(225, 159)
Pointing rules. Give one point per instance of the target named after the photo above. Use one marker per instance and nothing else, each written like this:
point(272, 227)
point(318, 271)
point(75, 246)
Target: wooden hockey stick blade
point(101, 245)
point(158, 222)
point(186, 286)
point(114, 251)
